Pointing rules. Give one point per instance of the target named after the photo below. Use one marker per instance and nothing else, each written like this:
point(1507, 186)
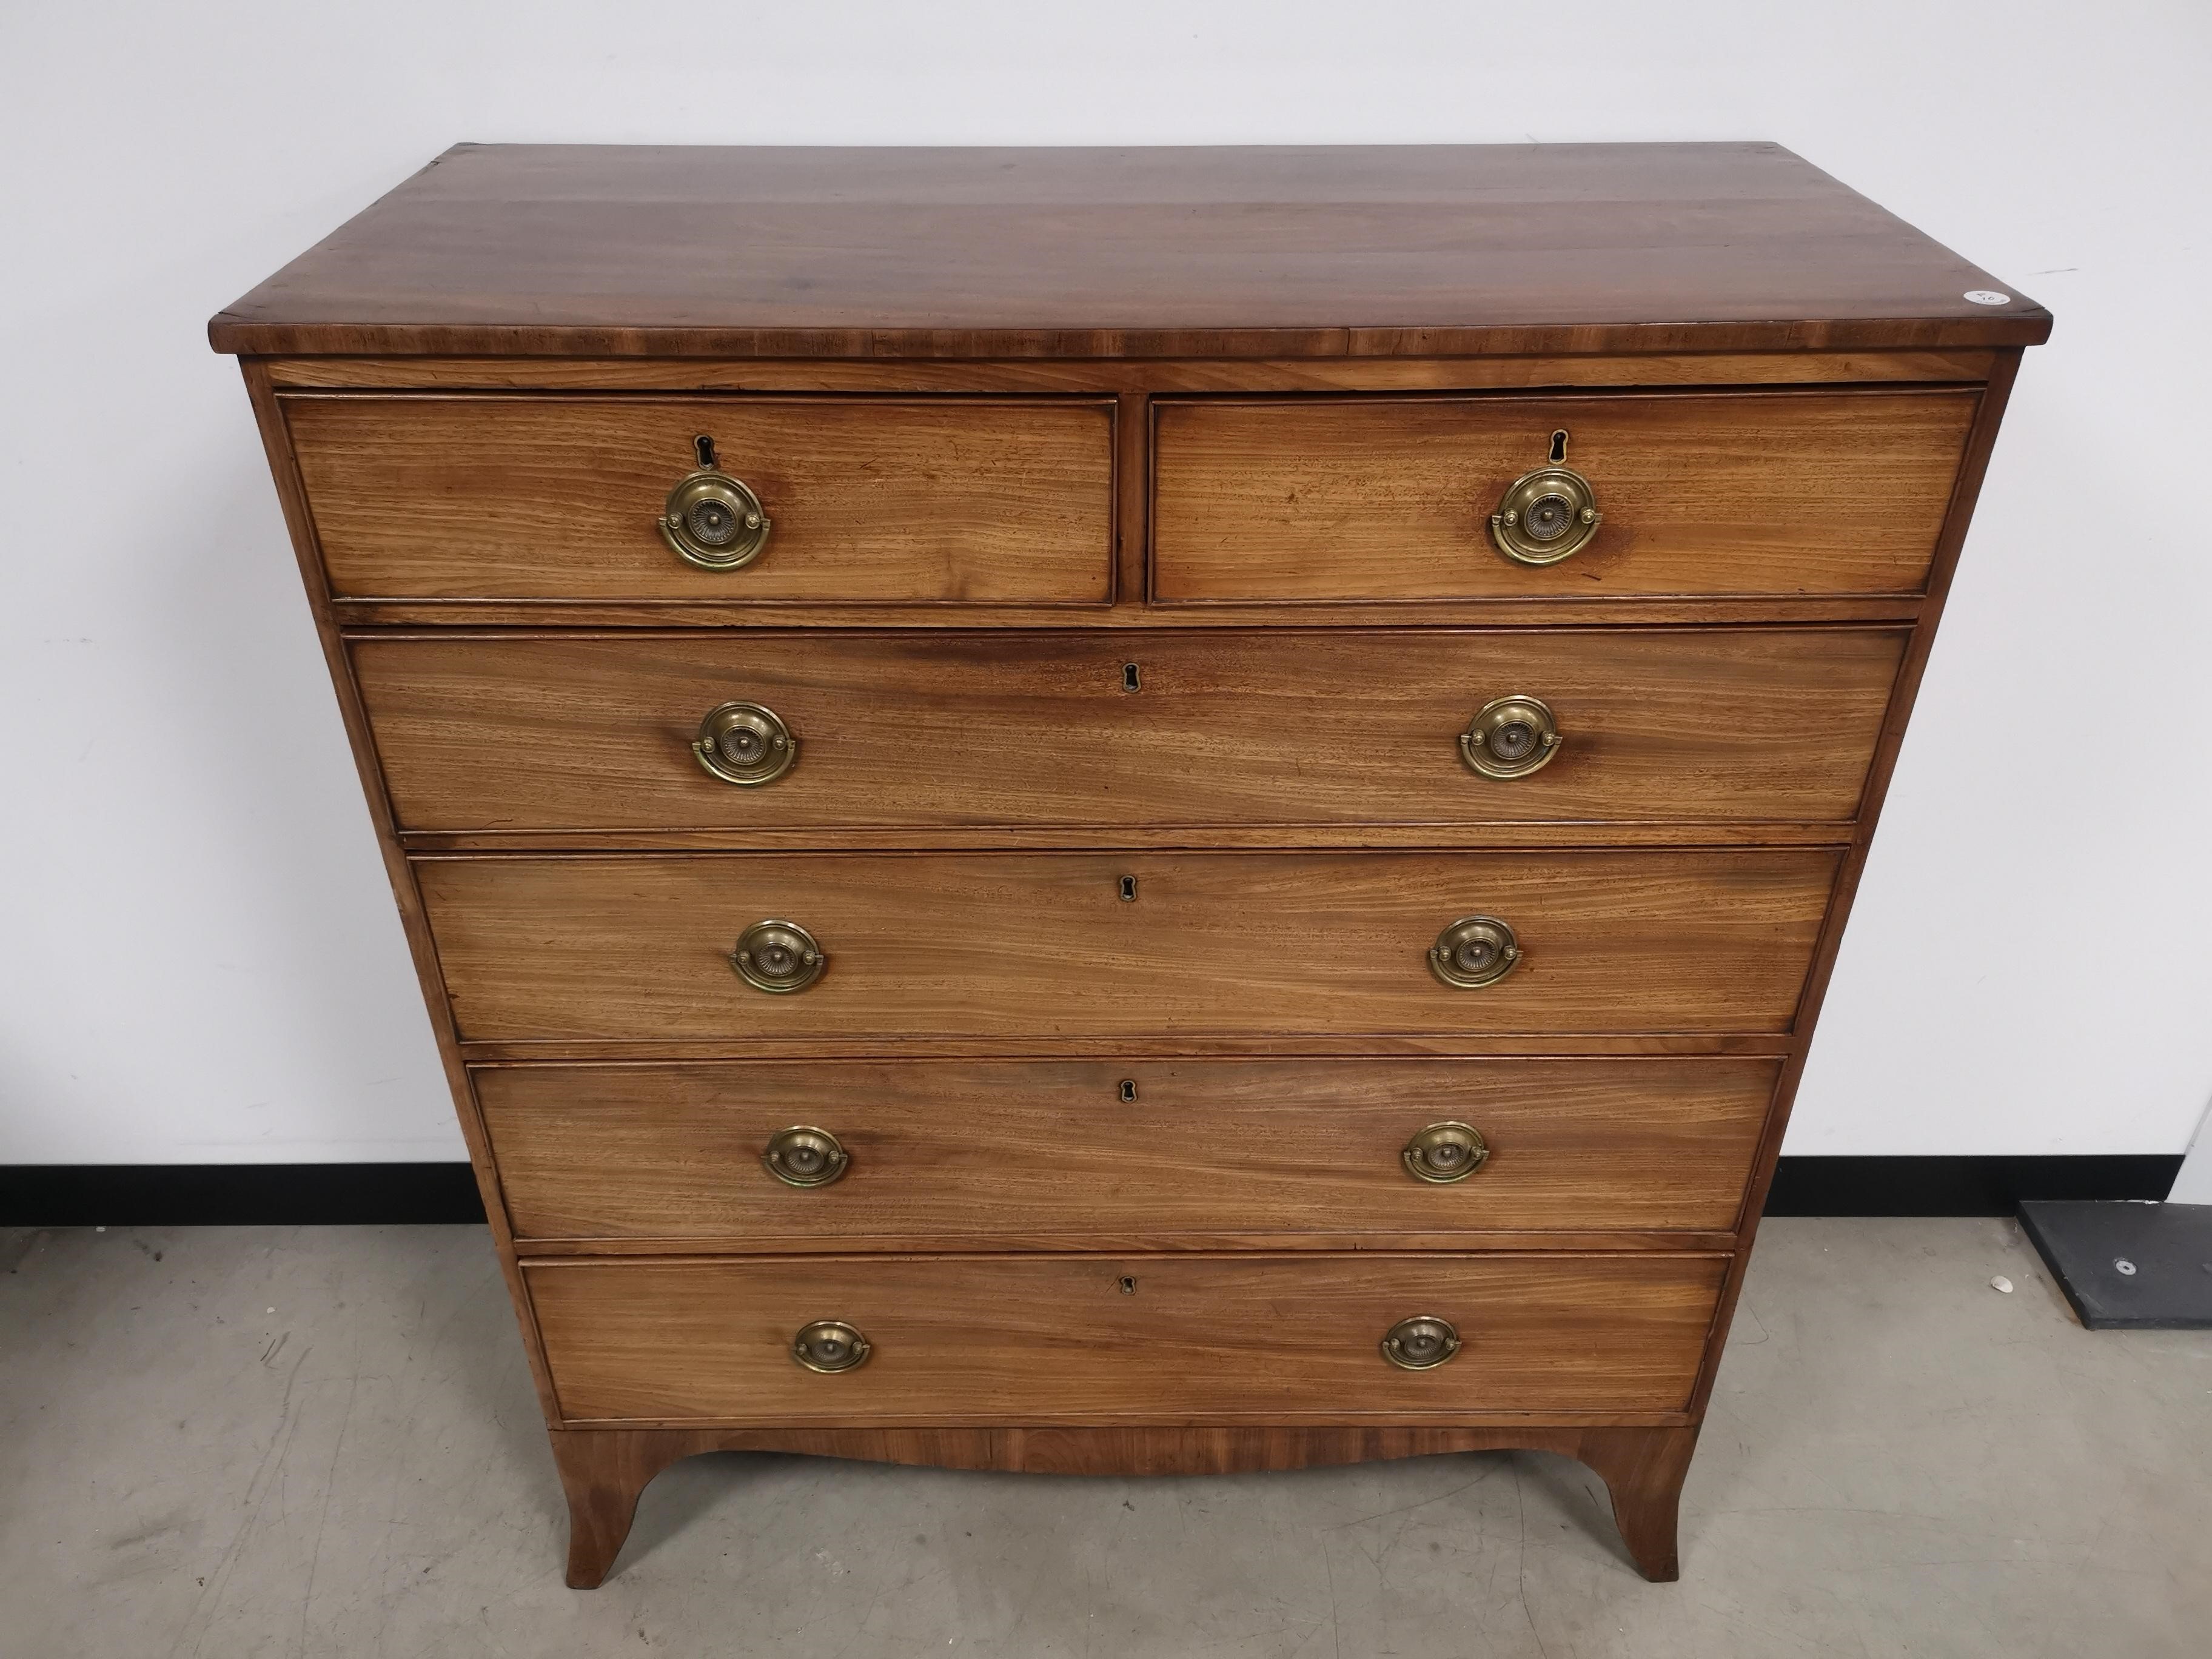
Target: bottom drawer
point(1073, 1339)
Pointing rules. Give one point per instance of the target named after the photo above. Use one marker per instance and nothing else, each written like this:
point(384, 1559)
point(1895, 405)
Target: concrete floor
point(322, 1441)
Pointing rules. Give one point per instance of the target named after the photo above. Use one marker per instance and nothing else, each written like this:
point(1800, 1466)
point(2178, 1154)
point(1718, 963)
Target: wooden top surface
point(572, 250)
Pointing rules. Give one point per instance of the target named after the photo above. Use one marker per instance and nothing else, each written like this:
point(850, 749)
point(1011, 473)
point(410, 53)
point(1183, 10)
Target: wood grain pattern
point(985, 1152)
point(1429, 249)
point(1055, 837)
point(1151, 1242)
point(873, 501)
point(1095, 376)
point(488, 732)
point(1454, 1045)
point(605, 1470)
point(1130, 612)
point(1390, 498)
point(1644, 1470)
point(1075, 1340)
point(1040, 945)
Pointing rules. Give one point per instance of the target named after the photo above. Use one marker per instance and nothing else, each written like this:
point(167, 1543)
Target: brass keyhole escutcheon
point(1445, 1152)
point(746, 743)
point(1546, 515)
point(803, 1156)
point(1510, 737)
point(1475, 952)
point(778, 956)
point(829, 1345)
point(1420, 1344)
point(712, 519)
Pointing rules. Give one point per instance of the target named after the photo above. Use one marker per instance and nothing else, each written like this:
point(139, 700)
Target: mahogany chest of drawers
point(1143, 810)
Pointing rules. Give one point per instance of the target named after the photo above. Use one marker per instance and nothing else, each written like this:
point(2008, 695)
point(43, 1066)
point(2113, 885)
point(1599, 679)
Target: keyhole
point(1559, 445)
point(1127, 1286)
point(1128, 889)
point(703, 447)
point(1129, 676)
point(1128, 1089)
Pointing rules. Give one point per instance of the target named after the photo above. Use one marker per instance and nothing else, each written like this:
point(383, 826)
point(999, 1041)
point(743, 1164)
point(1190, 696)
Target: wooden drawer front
point(1685, 726)
point(870, 501)
point(1042, 945)
point(1017, 1150)
point(1059, 1340)
point(1742, 493)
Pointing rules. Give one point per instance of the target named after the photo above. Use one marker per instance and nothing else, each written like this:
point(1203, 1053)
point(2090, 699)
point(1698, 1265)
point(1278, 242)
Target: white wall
point(198, 957)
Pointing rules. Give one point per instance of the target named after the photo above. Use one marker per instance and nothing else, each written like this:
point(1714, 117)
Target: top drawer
point(868, 501)
point(1702, 494)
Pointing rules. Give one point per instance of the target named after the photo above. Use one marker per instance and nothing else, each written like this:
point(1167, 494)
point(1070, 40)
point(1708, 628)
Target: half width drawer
point(483, 733)
point(1062, 1153)
point(1704, 495)
point(1068, 1339)
point(635, 947)
point(869, 500)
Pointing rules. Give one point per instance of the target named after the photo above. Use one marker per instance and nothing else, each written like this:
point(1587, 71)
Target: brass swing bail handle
point(803, 1156)
point(1509, 737)
point(746, 744)
point(1445, 1152)
point(780, 958)
point(714, 521)
point(1420, 1344)
point(1548, 514)
point(1475, 952)
point(829, 1345)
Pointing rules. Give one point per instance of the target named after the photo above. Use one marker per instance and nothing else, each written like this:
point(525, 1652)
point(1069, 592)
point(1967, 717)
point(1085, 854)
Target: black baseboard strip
point(1961, 1186)
point(266, 1194)
point(235, 1195)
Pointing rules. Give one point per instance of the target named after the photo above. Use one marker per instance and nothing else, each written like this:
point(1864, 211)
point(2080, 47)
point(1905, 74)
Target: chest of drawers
point(1144, 812)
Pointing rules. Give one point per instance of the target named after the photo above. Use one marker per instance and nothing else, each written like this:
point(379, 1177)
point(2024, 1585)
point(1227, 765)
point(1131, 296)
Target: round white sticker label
point(1988, 297)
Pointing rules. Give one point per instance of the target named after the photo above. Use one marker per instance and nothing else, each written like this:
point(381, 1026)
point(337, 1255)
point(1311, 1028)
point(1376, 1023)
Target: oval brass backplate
point(1475, 952)
point(778, 956)
point(746, 743)
point(1420, 1344)
point(714, 521)
point(1445, 1152)
point(1510, 737)
point(829, 1344)
point(1546, 516)
point(803, 1156)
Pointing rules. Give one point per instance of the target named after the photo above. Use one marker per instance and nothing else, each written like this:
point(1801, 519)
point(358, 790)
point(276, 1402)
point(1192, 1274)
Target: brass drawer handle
point(779, 957)
point(1546, 515)
point(1420, 1344)
point(1445, 1152)
point(803, 1156)
point(713, 520)
point(746, 743)
point(1475, 952)
point(1510, 737)
point(829, 1344)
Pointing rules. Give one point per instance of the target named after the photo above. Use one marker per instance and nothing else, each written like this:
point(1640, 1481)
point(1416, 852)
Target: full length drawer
point(961, 1151)
point(867, 500)
point(1070, 1340)
point(1701, 494)
point(1123, 944)
point(1144, 729)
